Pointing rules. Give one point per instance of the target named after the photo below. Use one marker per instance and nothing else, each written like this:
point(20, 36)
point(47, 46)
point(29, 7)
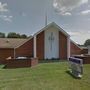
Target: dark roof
point(11, 42)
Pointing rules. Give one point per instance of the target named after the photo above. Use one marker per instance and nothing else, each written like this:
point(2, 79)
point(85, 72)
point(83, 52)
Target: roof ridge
point(75, 43)
point(52, 23)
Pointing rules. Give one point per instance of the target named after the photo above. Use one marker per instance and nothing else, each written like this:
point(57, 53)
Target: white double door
point(51, 44)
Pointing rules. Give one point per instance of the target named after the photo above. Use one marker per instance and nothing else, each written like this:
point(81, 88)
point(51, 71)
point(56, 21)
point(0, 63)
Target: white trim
point(68, 47)
point(51, 46)
point(34, 43)
point(56, 26)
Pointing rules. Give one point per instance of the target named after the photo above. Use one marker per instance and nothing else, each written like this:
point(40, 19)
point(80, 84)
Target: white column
point(35, 47)
point(68, 47)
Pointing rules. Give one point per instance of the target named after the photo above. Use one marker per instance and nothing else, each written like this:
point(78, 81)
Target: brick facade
point(19, 63)
point(62, 46)
point(85, 58)
point(75, 50)
point(84, 51)
point(28, 47)
point(25, 49)
point(6, 52)
point(40, 45)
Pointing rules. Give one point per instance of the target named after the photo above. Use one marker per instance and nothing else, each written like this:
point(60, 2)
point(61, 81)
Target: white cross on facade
point(51, 39)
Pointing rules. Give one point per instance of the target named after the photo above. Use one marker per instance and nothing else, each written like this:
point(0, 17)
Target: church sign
point(76, 66)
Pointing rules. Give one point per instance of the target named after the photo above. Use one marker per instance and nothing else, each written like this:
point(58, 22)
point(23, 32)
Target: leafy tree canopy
point(13, 35)
point(2, 35)
point(87, 42)
point(23, 36)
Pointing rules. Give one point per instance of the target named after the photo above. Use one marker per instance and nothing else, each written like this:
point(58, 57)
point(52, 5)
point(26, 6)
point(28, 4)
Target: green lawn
point(45, 76)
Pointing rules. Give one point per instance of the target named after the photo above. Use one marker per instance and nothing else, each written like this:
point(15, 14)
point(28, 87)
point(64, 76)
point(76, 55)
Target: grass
point(2, 66)
point(46, 76)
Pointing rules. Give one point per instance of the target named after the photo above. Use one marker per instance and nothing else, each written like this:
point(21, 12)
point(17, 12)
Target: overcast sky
point(28, 16)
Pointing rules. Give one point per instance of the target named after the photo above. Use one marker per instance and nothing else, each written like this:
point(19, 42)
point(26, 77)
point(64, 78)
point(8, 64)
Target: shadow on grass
point(68, 72)
point(2, 66)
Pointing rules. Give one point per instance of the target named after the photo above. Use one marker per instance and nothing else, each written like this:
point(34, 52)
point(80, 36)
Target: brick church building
point(51, 42)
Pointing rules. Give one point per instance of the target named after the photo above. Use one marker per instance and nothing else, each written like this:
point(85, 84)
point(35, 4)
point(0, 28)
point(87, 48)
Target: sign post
point(76, 66)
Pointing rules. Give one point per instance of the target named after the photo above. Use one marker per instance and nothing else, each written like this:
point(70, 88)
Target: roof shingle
point(11, 42)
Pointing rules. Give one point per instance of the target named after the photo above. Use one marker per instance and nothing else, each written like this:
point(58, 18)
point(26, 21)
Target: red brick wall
point(75, 50)
point(34, 61)
point(26, 49)
point(86, 59)
point(19, 63)
point(5, 53)
point(40, 45)
point(62, 46)
point(84, 51)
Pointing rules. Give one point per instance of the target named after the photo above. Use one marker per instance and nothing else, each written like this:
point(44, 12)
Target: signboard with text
point(76, 66)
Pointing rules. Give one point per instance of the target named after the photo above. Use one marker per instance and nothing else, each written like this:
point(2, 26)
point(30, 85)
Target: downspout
point(35, 54)
point(68, 47)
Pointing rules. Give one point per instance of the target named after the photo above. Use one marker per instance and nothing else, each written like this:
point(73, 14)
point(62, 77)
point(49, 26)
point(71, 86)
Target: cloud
point(63, 6)
point(88, 19)
point(67, 14)
point(89, 32)
point(79, 36)
point(74, 33)
point(3, 11)
point(3, 7)
point(6, 18)
point(24, 14)
point(89, 5)
point(86, 12)
point(79, 32)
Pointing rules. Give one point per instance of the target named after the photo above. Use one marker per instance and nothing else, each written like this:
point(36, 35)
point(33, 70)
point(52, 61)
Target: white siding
point(51, 46)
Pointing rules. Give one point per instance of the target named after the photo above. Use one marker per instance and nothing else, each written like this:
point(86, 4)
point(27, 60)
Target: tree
point(13, 35)
point(18, 35)
point(87, 42)
point(23, 36)
point(30, 36)
point(2, 35)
